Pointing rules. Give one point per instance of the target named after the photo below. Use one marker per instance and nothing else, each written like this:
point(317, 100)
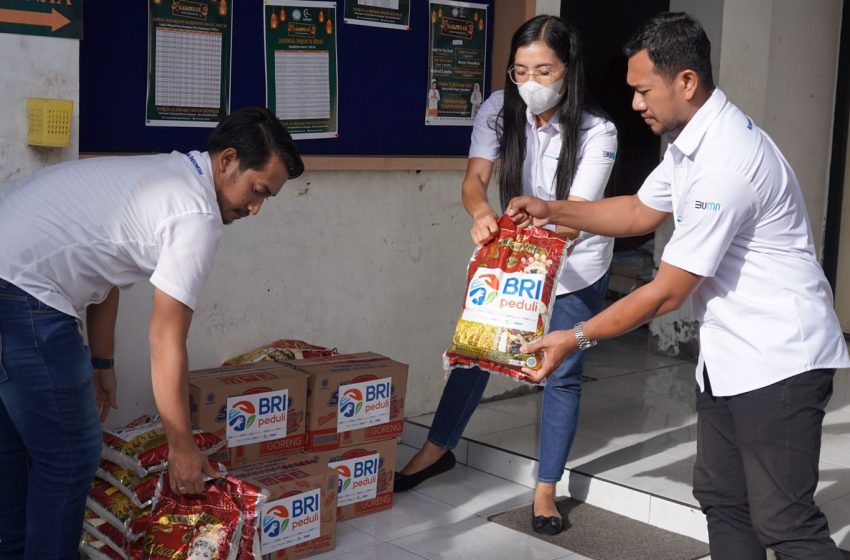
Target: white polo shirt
point(764, 306)
point(72, 231)
point(597, 149)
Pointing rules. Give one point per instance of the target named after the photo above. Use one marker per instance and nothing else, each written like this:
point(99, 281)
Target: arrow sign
point(22, 17)
point(54, 20)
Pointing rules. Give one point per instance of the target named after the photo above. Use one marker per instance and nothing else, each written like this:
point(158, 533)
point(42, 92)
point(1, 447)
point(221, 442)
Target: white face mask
point(540, 98)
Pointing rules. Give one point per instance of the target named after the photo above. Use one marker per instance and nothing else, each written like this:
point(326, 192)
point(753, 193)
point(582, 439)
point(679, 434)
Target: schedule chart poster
point(189, 53)
point(456, 59)
point(394, 14)
point(301, 66)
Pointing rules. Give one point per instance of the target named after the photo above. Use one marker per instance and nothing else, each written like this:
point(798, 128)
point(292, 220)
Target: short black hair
point(255, 133)
point(674, 42)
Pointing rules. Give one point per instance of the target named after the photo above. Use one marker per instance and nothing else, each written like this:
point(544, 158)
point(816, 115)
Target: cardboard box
point(260, 409)
point(366, 474)
point(353, 399)
point(299, 519)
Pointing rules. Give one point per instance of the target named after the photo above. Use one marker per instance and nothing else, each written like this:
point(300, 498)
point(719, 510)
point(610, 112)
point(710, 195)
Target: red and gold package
point(94, 549)
point(510, 289)
point(281, 350)
point(143, 448)
point(139, 489)
point(109, 504)
point(214, 525)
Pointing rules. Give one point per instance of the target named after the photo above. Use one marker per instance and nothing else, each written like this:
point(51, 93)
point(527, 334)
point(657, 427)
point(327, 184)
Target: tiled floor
point(633, 454)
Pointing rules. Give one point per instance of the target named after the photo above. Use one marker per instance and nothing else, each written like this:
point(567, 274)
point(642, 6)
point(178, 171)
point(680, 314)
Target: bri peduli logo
point(344, 478)
point(275, 521)
point(351, 402)
point(484, 289)
point(241, 416)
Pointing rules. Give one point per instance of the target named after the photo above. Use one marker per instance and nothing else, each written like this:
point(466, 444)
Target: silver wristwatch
point(583, 343)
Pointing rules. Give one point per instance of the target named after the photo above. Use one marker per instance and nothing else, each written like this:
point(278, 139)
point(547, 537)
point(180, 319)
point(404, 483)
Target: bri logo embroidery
point(609, 155)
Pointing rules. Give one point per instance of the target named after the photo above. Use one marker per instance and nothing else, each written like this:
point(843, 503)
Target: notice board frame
point(383, 77)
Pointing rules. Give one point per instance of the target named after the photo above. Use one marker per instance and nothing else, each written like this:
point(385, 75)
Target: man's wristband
point(583, 343)
point(103, 363)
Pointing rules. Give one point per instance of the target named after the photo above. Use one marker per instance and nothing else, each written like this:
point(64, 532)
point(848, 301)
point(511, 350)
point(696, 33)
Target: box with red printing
point(366, 475)
point(299, 518)
point(353, 399)
point(259, 409)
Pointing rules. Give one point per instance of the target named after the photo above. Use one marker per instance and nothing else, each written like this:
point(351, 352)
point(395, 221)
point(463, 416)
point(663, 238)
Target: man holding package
point(72, 235)
point(769, 338)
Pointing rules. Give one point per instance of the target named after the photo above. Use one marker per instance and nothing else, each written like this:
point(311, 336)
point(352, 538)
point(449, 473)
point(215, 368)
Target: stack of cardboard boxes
point(319, 434)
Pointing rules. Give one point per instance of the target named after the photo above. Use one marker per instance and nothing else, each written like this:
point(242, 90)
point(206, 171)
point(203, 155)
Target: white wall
point(356, 260)
point(778, 63)
point(34, 67)
point(781, 69)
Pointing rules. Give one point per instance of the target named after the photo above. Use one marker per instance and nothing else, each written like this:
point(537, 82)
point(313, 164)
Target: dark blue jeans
point(559, 417)
point(50, 437)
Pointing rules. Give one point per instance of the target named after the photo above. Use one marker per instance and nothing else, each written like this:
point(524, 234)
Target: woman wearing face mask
point(553, 144)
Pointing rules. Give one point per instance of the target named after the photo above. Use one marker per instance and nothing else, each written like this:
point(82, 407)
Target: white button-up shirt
point(72, 231)
point(596, 153)
point(764, 306)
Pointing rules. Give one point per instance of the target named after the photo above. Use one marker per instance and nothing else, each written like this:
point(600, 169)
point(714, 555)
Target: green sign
point(378, 13)
point(49, 18)
point(301, 67)
point(189, 44)
point(457, 60)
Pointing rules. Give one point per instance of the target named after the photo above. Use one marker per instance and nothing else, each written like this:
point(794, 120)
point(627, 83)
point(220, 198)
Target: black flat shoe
point(546, 525)
point(404, 482)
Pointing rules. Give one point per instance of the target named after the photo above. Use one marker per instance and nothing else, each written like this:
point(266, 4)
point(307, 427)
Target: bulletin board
point(383, 81)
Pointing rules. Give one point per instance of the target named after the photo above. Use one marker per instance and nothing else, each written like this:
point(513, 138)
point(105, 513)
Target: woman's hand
point(484, 229)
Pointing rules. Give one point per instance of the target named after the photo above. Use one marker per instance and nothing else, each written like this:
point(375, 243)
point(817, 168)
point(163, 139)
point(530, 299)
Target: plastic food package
point(141, 446)
point(510, 289)
point(139, 489)
point(109, 504)
point(217, 525)
point(96, 528)
point(281, 350)
point(94, 549)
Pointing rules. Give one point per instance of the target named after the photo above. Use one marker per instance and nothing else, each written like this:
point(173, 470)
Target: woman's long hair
point(560, 36)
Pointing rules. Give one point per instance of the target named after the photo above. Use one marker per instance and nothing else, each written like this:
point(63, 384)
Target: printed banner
point(456, 62)
point(363, 404)
point(291, 520)
point(255, 418)
point(301, 66)
point(394, 14)
point(358, 479)
point(189, 53)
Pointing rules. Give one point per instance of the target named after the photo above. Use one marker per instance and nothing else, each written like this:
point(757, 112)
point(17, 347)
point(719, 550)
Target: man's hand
point(187, 467)
point(484, 229)
point(528, 210)
point(554, 347)
point(105, 391)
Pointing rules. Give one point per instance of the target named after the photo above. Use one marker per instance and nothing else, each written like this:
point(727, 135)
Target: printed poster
point(301, 66)
point(189, 54)
point(456, 62)
point(394, 14)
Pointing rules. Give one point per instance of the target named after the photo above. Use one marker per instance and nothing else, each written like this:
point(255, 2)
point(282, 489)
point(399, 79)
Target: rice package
point(281, 350)
point(219, 524)
point(141, 446)
point(510, 289)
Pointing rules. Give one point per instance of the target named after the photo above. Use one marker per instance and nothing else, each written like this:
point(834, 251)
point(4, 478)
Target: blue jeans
point(559, 417)
point(50, 436)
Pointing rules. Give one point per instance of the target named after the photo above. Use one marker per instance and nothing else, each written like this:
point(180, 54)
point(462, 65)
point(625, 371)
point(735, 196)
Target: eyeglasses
point(544, 76)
